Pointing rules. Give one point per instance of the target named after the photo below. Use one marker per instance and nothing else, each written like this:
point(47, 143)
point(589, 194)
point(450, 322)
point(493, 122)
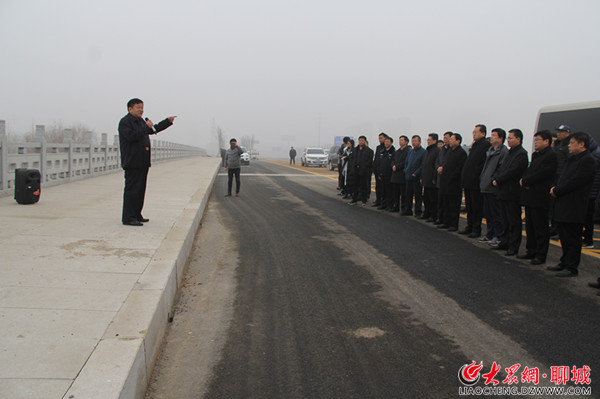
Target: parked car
point(333, 159)
point(313, 156)
point(245, 157)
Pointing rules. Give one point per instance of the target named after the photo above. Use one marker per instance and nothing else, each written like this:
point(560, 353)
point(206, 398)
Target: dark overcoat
point(538, 178)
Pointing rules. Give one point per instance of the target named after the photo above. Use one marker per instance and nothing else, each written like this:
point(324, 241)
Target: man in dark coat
point(535, 196)
point(470, 181)
point(561, 147)
point(439, 166)
point(412, 172)
point(429, 179)
point(134, 144)
point(292, 156)
point(588, 228)
point(450, 184)
point(384, 171)
point(570, 208)
point(340, 154)
point(363, 161)
point(378, 150)
point(507, 179)
point(398, 179)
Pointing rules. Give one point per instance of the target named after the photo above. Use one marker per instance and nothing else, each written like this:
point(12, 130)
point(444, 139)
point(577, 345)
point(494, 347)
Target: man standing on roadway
point(134, 144)
point(233, 166)
point(292, 156)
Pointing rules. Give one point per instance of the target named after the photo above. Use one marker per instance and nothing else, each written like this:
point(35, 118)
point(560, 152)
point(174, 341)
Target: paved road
point(293, 294)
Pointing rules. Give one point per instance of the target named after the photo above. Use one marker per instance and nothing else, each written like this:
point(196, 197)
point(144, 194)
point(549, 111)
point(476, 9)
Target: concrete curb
point(121, 364)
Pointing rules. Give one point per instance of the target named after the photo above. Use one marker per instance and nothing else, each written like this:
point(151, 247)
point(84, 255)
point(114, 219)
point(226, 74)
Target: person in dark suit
point(429, 179)
point(470, 181)
point(398, 179)
point(506, 179)
point(535, 196)
point(570, 208)
point(378, 150)
point(439, 166)
point(384, 171)
point(363, 163)
point(450, 182)
point(134, 144)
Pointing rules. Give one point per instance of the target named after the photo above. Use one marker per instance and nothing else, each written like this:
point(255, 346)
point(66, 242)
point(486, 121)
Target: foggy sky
point(296, 72)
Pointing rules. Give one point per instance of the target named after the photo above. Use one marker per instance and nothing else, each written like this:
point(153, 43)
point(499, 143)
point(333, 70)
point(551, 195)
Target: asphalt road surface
point(291, 293)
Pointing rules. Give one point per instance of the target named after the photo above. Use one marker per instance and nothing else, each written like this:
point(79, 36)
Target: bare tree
point(248, 142)
point(55, 133)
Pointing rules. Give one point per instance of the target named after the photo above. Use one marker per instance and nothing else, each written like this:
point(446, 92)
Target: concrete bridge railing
point(63, 162)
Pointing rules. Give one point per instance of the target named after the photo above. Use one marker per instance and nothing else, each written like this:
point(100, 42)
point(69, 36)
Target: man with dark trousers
point(293, 156)
point(535, 196)
point(450, 188)
point(398, 179)
point(412, 172)
point(439, 166)
point(507, 179)
point(429, 179)
point(384, 171)
point(561, 148)
point(134, 144)
point(340, 154)
point(378, 150)
point(363, 161)
point(470, 181)
point(233, 166)
point(570, 208)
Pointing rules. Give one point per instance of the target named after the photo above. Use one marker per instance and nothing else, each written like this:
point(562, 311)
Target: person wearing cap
point(570, 208)
point(233, 166)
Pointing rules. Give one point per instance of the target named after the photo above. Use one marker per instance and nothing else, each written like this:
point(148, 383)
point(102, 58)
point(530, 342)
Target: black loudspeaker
point(27, 186)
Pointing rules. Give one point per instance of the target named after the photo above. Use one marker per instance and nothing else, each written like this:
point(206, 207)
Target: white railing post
point(3, 156)
point(40, 131)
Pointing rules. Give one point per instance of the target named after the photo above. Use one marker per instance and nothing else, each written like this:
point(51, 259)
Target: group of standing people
point(558, 188)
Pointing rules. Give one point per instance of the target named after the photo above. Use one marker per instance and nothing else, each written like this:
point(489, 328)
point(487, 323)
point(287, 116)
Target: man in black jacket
point(384, 171)
point(363, 161)
point(535, 196)
point(507, 179)
point(439, 166)
point(470, 181)
point(561, 148)
point(378, 150)
point(570, 208)
point(134, 143)
point(429, 179)
point(398, 178)
point(450, 182)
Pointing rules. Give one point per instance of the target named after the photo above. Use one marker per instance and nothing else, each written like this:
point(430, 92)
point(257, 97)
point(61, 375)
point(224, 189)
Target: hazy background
point(296, 72)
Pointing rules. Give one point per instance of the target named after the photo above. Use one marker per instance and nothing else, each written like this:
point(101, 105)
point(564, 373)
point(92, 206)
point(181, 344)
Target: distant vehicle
point(313, 156)
point(245, 157)
point(333, 159)
point(580, 117)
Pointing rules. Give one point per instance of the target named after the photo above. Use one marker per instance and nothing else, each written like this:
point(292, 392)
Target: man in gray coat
point(491, 205)
point(233, 166)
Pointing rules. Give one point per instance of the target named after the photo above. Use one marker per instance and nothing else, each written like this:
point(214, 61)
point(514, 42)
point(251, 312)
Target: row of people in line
point(560, 184)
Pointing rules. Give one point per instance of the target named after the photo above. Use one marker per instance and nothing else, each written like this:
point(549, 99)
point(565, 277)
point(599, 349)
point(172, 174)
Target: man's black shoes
point(556, 268)
point(452, 229)
point(537, 261)
point(133, 223)
point(594, 285)
point(510, 252)
point(566, 273)
point(144, 220)
point(464, 232)
point(526, 256)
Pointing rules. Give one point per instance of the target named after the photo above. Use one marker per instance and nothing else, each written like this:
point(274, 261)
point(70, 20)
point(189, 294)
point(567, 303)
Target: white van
point(580, 117)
